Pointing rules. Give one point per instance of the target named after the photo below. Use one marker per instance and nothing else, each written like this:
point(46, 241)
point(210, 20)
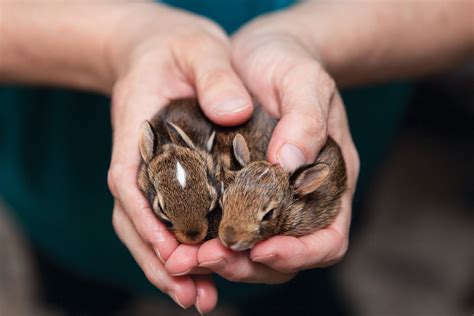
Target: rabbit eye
point(161, 214)
point(168, 224)
point(165, 219)
point(268, 216)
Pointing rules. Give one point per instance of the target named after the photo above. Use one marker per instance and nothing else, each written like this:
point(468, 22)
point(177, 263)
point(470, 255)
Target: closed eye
point(269, 215)
point(165, 219)
point(168, 224)
point(161, 214)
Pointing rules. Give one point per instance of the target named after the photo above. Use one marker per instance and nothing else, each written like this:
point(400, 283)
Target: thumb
point(302, 129)
point(222, 95)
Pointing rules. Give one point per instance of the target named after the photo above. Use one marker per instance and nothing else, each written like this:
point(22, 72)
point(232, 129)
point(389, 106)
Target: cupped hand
point(157, 54)
point(279, 66)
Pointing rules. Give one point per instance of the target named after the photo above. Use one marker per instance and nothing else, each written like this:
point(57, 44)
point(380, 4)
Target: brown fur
point(257, 131)
point(300, 206)
point(185, 209)
point(260, 187)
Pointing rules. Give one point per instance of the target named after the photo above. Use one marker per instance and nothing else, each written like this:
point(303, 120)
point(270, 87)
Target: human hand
point(272, 58)
point(158, 54)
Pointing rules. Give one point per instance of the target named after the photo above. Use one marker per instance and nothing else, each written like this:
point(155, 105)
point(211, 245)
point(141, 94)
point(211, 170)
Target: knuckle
point(236, 275)
point(210, 79)
point(313, 128)
point(195, 40)
point(291, 267)
point(356, 163)
point(326, 88)
point(314, 75)
point(112, 180)
point(353, 165)
point(119, 172)
point(316, 72)
point(307, 68)
point(326, 81)
point(200, 38)
point(339, 255)
point(212, 29)
point(356, 159)
point(341, 249)
point(154, 276)
point(117, 221)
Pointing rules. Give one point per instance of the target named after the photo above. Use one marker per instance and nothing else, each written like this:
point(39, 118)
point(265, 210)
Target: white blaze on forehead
point(180, 175)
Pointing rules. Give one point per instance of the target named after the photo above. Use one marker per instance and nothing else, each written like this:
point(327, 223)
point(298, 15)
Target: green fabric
point(55, 149)
point(230, 14)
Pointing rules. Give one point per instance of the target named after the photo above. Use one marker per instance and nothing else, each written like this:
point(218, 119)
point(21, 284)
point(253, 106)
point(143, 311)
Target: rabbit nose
point(192, 234)
point(229, 236)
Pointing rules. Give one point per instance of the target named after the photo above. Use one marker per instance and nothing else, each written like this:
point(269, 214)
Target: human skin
point(283, 58)
point(143, 55)
point(280, 57)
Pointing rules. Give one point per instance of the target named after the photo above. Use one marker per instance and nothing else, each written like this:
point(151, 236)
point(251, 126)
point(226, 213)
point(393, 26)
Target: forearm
point(369, 41)
point(58, 43)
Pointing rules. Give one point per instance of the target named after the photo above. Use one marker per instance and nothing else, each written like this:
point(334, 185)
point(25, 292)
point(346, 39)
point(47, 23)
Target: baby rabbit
point(177, 174)
point(263, 200)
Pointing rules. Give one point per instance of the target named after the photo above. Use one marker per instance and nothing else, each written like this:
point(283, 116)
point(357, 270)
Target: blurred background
point(411, 249)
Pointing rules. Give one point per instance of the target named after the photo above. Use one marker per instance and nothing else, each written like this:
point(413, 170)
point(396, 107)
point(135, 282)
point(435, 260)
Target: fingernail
point(290, 157)
point(265, 259)
point(198, 308)
point(231, 106)
point(181, 273)
point(158, 254)
point(214, 265)
point(176, 300)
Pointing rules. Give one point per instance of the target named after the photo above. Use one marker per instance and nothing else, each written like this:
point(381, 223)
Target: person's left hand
point(271, 56)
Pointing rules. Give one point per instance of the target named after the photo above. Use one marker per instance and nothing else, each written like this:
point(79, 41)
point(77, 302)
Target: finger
point(236, 266)
point(320, 249)
point(304, 92)
point(222, 95)
point(338, 128)
point(184, 261)
point(327, 246)
point(181, 289)
point(206, 299)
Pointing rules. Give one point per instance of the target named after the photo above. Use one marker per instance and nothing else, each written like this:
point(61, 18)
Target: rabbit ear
point(241, 150)
point(147, 141)
point(210, 141)
point(308, 179)
point(178, 136)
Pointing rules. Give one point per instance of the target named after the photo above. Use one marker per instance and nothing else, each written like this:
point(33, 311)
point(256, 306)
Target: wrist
point(310, 22)
point(294, 25)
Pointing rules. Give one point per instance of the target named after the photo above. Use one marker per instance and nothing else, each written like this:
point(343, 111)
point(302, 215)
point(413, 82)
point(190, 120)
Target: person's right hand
point(158, 54)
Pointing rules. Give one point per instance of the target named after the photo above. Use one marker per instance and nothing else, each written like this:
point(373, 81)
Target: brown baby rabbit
point(177, 174)
point(263, 200)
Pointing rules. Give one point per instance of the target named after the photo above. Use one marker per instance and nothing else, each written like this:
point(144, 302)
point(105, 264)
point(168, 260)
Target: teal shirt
point(55, 148)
